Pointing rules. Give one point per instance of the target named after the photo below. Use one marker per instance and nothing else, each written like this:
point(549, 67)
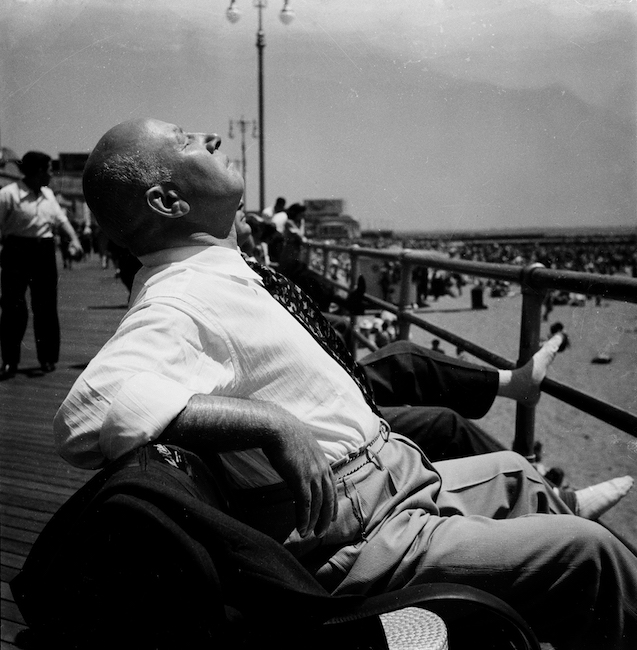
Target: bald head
point(119, 171)
point(151, 185)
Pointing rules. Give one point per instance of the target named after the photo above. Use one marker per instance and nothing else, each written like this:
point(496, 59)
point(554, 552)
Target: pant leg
point(14, 317)
point(441, 433)
point(500, 485)
point(43, 283)
point(405, 373)
point(570, 578)
point(489, 522)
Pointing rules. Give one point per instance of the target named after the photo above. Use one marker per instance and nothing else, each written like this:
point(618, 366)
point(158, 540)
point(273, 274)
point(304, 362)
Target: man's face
point(43, 176)
point(202, 174)
point(242, 226)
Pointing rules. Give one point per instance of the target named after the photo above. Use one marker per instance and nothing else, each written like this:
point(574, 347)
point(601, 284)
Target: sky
point(421, 115)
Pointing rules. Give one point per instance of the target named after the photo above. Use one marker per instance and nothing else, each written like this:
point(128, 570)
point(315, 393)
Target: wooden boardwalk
point(34, 481)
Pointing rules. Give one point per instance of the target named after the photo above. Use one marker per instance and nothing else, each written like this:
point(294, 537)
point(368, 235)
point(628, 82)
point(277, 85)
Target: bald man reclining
point(209, 359)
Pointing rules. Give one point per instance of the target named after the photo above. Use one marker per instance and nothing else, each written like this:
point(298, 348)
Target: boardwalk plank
point(19, 534)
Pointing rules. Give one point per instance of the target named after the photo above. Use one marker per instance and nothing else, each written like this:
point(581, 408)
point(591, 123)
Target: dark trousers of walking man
point(29, 263)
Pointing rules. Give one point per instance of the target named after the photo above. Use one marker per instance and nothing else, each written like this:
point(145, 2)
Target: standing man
point(29, 215)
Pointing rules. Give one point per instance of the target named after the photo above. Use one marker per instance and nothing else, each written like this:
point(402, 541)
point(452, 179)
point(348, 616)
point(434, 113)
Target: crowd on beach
point(591, 255)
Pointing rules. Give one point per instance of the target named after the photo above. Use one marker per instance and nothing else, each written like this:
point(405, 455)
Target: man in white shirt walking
point(29, 215)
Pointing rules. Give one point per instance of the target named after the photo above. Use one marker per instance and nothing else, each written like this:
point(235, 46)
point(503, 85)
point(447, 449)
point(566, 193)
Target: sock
point(595, 500)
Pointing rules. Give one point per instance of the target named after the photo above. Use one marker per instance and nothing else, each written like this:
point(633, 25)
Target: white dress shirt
point(24, 213)
point(200, 321)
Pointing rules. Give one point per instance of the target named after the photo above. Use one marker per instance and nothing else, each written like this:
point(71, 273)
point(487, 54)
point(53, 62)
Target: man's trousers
point(405, 373)
point(427, 397)
point(487, 521)
point(29, 263)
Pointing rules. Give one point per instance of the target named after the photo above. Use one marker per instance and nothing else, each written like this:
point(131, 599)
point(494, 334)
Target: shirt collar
point(25, 190)
point(224, 260)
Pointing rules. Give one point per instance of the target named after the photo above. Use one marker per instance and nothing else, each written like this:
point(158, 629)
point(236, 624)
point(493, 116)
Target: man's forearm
point(229, 424)
point(69, 230)
point(226, 424)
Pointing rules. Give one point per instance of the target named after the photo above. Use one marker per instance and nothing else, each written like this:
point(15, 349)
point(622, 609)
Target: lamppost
point(287, 16)
point(243, 125)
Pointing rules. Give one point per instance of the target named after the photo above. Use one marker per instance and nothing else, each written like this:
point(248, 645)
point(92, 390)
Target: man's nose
point(211, 140)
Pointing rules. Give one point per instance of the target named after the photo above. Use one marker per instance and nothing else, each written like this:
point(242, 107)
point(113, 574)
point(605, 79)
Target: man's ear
point(166, 202)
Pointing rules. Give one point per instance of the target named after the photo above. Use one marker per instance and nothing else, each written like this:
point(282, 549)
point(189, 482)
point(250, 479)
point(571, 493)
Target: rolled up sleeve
point(164, 352)
point(143, 407)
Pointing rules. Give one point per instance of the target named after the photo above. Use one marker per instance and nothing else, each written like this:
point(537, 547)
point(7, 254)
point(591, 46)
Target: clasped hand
point(302, 464)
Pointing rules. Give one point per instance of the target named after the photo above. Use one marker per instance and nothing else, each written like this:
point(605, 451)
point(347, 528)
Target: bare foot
point(595, 500)
point(523, 384)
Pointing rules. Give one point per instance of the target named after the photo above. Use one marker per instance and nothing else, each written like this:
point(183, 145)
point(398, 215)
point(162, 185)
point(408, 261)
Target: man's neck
point(33, 185)
point(206, 239)
point(173, 238)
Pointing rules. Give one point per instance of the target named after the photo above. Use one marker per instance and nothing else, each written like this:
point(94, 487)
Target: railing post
point(354, 272)
point(326, 261)
point(403, 299)
point(306, 255)
point(530, 324)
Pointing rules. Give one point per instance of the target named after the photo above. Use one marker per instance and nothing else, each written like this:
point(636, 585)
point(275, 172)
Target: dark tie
point(305, 310)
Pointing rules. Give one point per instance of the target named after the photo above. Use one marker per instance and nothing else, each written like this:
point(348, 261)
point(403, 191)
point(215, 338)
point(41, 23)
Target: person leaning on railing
point(207, 358)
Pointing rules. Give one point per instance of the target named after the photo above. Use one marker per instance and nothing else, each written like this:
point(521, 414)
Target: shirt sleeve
point(137, 384)
point(89, 431)
point(140, 381)
point(144, 406)
point(58, 215)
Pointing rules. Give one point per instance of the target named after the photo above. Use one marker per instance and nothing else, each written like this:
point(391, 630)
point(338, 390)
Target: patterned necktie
point(303, 308)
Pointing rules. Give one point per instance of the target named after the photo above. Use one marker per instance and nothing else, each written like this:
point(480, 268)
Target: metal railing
point(534, 279)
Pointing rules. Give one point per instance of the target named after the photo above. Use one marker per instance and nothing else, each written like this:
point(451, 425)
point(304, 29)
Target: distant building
point(67, 175)
point(324, 219)
point(9, 172)
point(67, 185)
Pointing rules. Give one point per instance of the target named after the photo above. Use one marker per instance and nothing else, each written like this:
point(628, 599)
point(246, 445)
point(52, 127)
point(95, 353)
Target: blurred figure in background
point(276, 215)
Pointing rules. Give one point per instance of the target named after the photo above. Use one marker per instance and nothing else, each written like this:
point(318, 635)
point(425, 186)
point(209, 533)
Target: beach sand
point(588, 450)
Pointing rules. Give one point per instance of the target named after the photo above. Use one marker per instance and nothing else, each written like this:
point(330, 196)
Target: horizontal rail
point(603, 411)
point(532, 278)
point(611, 287)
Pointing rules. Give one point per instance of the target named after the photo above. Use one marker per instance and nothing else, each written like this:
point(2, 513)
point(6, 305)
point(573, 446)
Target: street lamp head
point(287, 14)
point(232, 13)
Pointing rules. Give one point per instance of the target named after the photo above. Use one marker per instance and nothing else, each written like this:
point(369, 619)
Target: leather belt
point(368, 453)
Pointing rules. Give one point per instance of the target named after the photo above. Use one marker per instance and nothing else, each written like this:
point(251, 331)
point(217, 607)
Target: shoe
point(8, 370)
point(47, 366)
